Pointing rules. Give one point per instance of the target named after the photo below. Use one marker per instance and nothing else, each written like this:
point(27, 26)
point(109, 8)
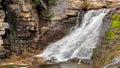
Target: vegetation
point(110, 35)
point(110, 47)
point(114, 25)
point(0, 4)
point(36, 3)
point(116, 21)
point(48, 14)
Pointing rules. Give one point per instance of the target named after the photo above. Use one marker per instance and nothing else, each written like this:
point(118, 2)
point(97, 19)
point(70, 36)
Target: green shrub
point(116, 17)
point(115, 24)
point(115, 21)
point(110, 35)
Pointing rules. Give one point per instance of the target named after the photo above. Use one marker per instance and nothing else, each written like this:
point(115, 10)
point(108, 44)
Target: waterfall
point(80, 42)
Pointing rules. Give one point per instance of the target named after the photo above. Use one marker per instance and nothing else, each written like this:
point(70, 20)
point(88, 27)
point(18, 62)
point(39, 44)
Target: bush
point(110, 35)
point(115, 21)
point(116, 17)
point(115, 24)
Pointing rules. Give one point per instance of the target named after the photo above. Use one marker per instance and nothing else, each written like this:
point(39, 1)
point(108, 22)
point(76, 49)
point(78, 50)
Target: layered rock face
point(64, 8)
point(3, 38)
point(23, 22)
point(3, 27)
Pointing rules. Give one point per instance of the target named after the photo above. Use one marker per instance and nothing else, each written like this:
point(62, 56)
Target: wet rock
point(74, 60)
point(87, 61)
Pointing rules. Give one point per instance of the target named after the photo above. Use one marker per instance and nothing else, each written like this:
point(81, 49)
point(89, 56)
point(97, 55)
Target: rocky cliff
point(33, 24)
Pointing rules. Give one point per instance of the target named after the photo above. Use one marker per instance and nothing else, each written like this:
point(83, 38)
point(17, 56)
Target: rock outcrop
point(65, 8)
point(23, 22)
point(3, 27)
point(3, 38)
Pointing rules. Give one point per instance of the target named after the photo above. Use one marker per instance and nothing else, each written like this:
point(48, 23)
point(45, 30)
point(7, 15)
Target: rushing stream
point(80, 42)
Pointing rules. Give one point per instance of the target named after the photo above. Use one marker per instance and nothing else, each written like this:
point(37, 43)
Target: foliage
point(115, 21)
point(116, 17)
point(47, 14)
point(110, 35)
point(36, 3)
point(52, 2)
point(115, 24)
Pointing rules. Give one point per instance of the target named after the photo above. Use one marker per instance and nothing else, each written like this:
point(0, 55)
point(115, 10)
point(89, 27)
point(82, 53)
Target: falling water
point(80, 42)
point(115, 62)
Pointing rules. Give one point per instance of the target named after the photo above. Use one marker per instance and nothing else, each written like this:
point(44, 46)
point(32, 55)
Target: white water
point(80, 42)
point(115, 62)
